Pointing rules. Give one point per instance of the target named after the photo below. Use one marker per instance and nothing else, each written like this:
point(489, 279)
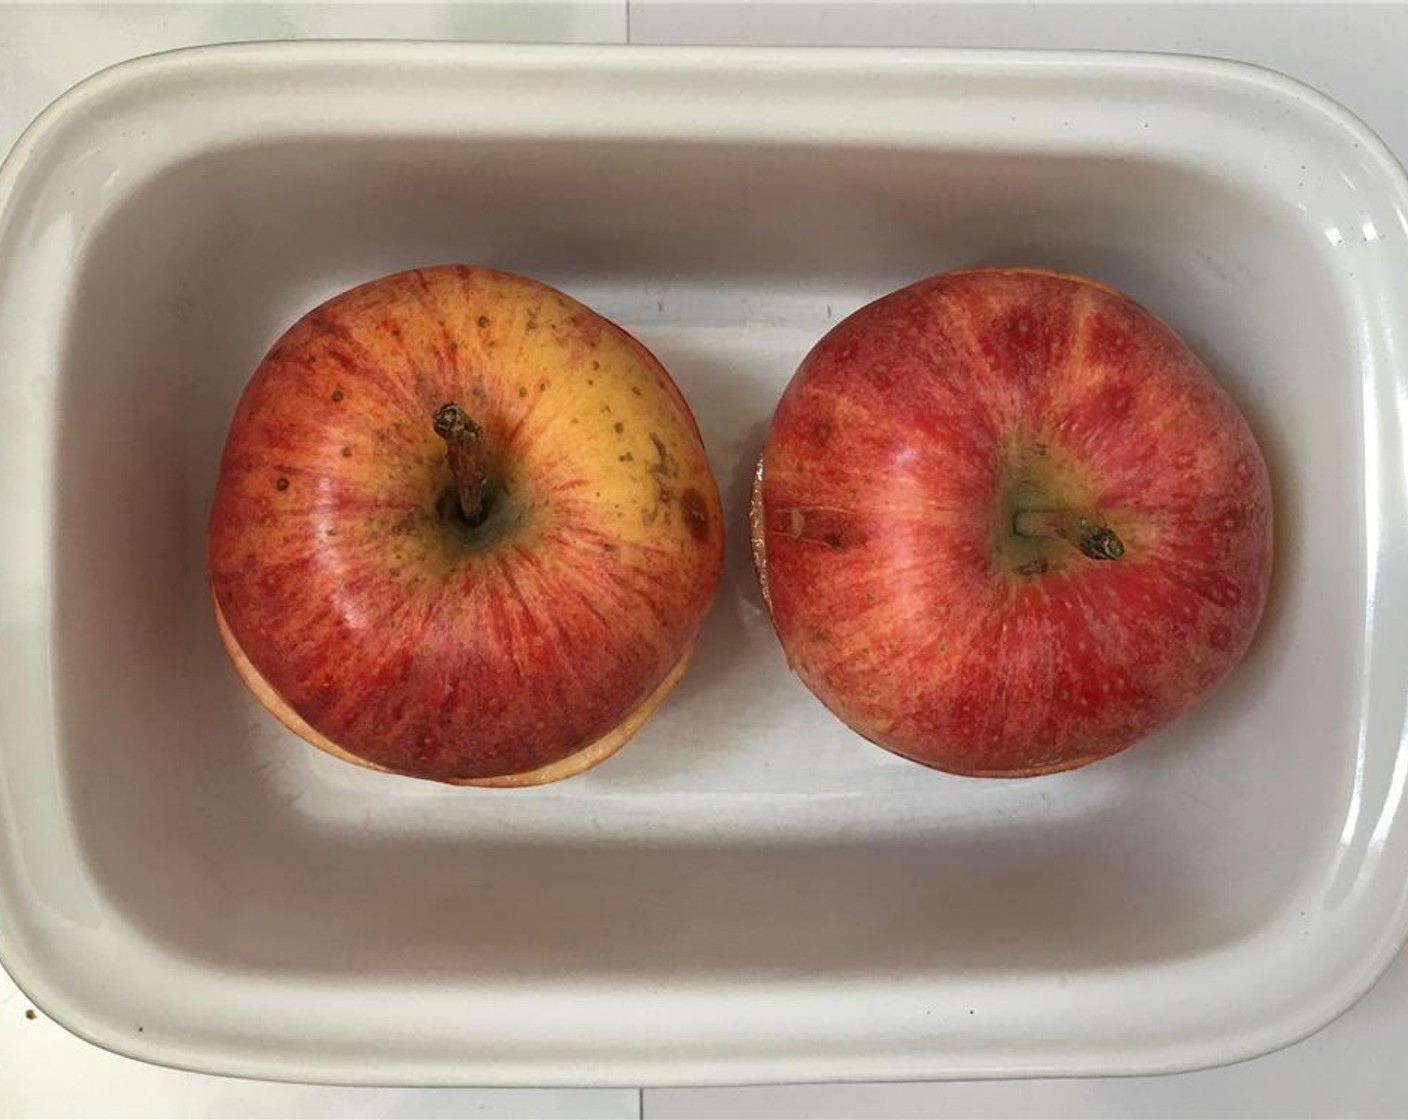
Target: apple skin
point(369, 615)
point(887, 497)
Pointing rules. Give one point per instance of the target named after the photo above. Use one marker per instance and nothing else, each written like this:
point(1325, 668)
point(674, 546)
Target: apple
point(1006, 523)
point(464, 530)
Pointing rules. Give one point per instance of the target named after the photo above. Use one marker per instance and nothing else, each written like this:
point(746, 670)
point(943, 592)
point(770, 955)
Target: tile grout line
point(640, 1093)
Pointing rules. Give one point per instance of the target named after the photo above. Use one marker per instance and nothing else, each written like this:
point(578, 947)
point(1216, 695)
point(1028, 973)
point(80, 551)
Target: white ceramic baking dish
point(748, 892)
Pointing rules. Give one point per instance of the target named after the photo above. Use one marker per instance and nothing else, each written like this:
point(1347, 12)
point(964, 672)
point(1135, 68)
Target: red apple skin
point(516, 653)
point(883, 523)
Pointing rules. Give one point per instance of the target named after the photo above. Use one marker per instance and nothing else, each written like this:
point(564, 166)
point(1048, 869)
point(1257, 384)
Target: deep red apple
point(464, 530)
point(1006, 523)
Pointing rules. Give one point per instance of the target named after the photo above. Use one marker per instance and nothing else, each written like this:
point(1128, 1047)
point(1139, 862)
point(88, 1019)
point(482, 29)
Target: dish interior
point(745, 833)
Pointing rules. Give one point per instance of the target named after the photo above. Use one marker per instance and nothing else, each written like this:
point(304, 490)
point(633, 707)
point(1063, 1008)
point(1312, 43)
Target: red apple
point(464, 530)
point(1006, 523)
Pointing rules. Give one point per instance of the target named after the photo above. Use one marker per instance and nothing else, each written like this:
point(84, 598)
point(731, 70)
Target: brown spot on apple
point(483, 321)
point(281, 484)
point(664, 470)
point(695, 512)
point(619, 427)
point(543, 384)
point(347, 453)
point(337, 394)
point(666, 467)
point(824, 525)
point(522, 391)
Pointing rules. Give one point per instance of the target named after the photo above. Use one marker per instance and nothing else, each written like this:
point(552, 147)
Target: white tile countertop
point(1352, 52)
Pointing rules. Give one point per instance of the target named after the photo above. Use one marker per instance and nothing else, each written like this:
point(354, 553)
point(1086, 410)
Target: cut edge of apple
point(756, 536)
point(1046, 770)
point(578, 762)
point(600, 750)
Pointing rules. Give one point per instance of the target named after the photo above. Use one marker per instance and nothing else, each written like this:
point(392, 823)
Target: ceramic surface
point(748, 891)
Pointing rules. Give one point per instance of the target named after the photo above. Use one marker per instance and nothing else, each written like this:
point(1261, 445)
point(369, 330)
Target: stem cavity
point(469, 461)
point(1081, 531)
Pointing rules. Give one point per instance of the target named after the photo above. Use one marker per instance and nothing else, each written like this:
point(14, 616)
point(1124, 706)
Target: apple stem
point(468, 458)
point(1099, 542)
